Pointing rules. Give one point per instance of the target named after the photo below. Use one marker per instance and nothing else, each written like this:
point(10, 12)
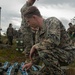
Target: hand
point(27, 66)
point(31, 1)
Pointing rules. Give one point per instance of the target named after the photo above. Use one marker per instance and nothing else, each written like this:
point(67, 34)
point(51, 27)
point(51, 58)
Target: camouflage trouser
point(53, 60)
point(47, 70)
point(52, 66)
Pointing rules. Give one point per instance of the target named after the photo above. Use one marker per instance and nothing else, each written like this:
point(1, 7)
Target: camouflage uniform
point(71, 32)
point(54, 47)
point(10, 34)
point(27, 34)
point(73, 40)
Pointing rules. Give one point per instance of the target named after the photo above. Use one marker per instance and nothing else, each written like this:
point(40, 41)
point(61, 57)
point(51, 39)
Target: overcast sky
point(62, 9)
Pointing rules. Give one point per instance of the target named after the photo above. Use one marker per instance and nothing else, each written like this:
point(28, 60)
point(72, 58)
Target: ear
point(34, 16)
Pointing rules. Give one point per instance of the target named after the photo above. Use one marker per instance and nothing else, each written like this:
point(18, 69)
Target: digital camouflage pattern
point(73, 36)
point(27, 34)
point(53, 46)
point(71, 32)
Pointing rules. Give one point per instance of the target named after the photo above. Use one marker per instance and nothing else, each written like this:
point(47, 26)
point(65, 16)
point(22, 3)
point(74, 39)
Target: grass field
point(10, 54)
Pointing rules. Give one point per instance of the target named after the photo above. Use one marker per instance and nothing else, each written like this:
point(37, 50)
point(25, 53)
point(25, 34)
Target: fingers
point(23, 67)
point(27, 68)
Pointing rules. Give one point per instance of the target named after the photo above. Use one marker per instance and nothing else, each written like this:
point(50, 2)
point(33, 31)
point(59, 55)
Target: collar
point(43, 30)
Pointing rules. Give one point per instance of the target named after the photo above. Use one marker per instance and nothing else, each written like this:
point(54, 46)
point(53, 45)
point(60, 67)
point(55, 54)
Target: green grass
point(10, 54)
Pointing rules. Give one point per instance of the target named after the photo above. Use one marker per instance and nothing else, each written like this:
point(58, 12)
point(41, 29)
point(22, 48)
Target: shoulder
point(74, 25)
point(53, 21)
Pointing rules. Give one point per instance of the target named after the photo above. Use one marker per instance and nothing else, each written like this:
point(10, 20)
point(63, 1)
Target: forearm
point(34, 56)
point(31, 2)
point(27, 4)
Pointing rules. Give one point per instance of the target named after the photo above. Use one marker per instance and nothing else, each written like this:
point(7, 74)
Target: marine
point(71, 32)
point(53, 45)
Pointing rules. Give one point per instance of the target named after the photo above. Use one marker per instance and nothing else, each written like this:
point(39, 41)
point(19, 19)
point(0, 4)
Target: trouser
point(52, 59)
point(10, 40)
point(51, 65)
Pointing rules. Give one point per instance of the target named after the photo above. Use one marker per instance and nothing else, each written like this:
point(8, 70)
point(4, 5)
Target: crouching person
point(54, 47)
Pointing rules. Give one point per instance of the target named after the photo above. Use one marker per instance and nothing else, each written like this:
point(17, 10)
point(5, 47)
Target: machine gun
point(5, 66)
point(23, 72)
point(35, 68)
point(13, 69)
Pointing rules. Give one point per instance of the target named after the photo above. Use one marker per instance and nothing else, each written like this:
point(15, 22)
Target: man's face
point(70, 25)
point(32, 22)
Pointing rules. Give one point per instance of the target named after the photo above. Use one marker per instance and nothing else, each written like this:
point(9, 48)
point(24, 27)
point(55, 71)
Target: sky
point(64, 10)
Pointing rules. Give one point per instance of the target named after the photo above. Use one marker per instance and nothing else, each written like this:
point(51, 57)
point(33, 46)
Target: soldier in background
point(10, 32)
point(71, 32)
point(73, 40)
point(27, 34)
point(54, 46)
